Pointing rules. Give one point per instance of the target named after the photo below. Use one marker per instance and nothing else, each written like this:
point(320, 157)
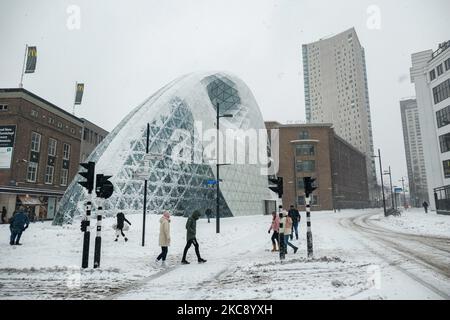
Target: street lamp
point(404, 194)
point(382, 184)
point(390, 179)
point(218, 116)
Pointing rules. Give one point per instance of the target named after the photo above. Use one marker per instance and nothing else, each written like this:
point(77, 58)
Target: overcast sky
point(126, 50)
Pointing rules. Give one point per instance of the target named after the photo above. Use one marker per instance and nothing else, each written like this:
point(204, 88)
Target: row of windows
point(92, 137)
point(439, 70)
point(60, 125)
point(32, 172)
point(52, 144)
point(443, 117)
point(441, 91)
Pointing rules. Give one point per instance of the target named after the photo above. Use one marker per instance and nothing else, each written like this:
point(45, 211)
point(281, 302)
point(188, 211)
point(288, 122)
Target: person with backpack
point(425, 206)
point(18, 224)
point(120, 226)
point(191, 230)
point(295, 216)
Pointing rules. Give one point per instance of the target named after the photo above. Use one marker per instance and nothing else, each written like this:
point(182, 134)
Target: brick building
point(315, 150)
point(40, 152)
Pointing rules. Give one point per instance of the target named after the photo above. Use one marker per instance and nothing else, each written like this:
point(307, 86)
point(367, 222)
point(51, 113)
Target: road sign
point(398, 190)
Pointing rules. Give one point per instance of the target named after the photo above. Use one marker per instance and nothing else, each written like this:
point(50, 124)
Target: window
point(66, 151)
point(86, 134)
point(49, 174)
point(60, 125)
point(441, 91)
point(443, 117)
point(300, 183)
point(35, 142)
point(51, 120)
point(306, 165)
point(432, 75)
point(52, 147)
point(447, 64)
point(72, 130)
point(439, 69)
point(304, 150)
point(3, 107)
point(446, 167)
point(444, 141)
point(32, 171)
point(304, 135)
point(64, 174)
point(34, 113)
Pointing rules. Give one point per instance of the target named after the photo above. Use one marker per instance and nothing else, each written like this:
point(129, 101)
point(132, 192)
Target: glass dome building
point(182, 122)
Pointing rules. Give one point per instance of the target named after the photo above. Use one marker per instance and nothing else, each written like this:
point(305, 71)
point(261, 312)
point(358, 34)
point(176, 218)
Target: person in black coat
point(120, 224)
point(425, 206)
point(295, 216)
point(18, 224)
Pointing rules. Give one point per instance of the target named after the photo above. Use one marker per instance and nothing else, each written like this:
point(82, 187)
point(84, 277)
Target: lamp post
point(218, 116)
point(382, 184)
point(390, 180)
point(404, 194)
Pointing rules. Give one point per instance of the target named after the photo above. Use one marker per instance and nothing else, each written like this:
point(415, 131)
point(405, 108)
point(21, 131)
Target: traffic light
point(309, 188)
point(278, 188)
point(84, 225)
point(89, 175)
point(103, 188)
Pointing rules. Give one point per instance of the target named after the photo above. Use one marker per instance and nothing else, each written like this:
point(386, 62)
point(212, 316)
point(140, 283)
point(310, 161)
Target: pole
point(392, 193)
point(23, 67)
point(87, 234)
point(308, 225)
point(76, 88)
point(382, 184)
point(145, 190)
point(98, 238)
point(404, 194)
point(217, 173)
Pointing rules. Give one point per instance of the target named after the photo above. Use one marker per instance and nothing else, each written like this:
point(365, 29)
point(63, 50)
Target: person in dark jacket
point(120, 224)
point(295, 216)
point(4, 212)
point(191, 228)
point(18, 224)
point(425, 206)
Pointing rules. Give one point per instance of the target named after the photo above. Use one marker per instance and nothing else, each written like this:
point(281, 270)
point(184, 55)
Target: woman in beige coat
point(164, 236)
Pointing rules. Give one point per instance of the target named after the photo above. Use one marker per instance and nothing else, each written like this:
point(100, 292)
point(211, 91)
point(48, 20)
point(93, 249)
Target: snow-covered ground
point(348, 263)
point(416, 221)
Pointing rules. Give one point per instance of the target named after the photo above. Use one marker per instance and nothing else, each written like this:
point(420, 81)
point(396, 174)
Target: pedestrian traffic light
point(103, 188)
point(278, 186)
point(309, 188)
point(89, 175)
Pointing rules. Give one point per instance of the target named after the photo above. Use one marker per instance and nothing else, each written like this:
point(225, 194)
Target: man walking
point(19, 223)
point(425, 206)
point(4, 215)
point(295, 216)
point(191, 228)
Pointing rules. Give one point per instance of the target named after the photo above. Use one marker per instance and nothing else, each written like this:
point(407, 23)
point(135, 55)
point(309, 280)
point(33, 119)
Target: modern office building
point(336, 92)
point(182, 129)
point(430, 73)
point(412, 136)
point(39, 152)
point(314, 150)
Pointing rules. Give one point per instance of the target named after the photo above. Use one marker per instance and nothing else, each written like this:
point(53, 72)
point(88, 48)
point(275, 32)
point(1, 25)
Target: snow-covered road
point(358, 254)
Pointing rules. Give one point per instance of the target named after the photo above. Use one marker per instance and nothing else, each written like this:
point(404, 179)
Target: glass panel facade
point(304, 150)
